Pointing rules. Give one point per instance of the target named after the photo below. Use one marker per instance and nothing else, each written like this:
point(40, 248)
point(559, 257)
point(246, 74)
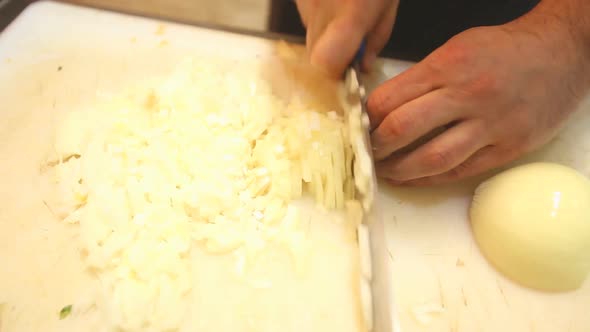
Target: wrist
point(568, 22)
point(563, 29)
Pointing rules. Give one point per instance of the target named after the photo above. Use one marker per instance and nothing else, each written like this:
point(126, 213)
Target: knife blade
point(382, 317)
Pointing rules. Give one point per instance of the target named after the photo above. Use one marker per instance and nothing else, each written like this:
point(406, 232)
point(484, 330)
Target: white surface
point(438, 271)
point(437, 263)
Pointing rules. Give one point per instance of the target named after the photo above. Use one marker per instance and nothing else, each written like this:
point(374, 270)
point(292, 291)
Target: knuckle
point(437, 159)
point(460, 171)
point(485, 84)
point(377, 101)
point(457, 53)
point(394, 126)
point(455, 174)
point(452, 54)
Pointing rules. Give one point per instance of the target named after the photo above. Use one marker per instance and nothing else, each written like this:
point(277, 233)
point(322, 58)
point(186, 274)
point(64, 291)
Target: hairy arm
point(573, 16)
point(498, 92)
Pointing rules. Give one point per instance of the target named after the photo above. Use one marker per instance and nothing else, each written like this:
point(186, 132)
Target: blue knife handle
point(361, 52)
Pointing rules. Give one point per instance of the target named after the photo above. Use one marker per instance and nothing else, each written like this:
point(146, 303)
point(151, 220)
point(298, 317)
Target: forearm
point(574, 14)
point(570, 19)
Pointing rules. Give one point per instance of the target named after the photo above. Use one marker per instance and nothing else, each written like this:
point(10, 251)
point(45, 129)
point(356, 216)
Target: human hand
point(335, 29)
point(496, 92)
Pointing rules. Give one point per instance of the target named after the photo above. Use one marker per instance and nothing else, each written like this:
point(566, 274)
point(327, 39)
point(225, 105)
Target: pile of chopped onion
point(209, 157)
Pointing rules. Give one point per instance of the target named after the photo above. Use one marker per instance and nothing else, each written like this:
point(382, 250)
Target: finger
point(442, 154)
point(484, 160)
point(412, 121)
point(337, 45)
point(318, 21)
point(379, 36)
point(304, 10)
point(410, 84)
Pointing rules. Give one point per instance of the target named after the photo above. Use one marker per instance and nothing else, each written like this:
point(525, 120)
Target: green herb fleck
point(65, 311)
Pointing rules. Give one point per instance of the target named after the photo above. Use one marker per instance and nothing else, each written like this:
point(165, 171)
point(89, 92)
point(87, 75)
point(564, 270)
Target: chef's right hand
point(335, 29)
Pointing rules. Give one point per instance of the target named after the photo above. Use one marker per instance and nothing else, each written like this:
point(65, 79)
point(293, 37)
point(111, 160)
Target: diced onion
point(210, 156)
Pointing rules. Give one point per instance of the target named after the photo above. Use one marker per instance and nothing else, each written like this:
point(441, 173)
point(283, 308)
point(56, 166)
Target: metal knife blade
point(383, 314)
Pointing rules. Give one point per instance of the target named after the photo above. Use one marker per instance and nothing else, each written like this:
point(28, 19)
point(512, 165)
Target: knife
point(376, 263)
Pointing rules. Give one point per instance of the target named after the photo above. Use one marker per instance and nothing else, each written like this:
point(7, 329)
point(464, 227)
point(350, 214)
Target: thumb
point(378, 37)
point(337, 45)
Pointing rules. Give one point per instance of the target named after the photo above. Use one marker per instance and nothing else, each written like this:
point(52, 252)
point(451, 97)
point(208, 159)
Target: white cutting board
point(55, 57)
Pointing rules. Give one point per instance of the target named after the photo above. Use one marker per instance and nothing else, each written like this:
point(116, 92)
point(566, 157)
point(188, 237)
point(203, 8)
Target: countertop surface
point(441, 280)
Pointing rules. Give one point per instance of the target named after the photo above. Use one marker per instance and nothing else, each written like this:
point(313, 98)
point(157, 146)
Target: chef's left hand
point(498, 93)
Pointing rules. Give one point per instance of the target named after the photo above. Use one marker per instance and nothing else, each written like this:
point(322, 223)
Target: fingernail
point(379, 141)
point(313, 58)
point(318, 68)
point(318, 57)
point(378, 154)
